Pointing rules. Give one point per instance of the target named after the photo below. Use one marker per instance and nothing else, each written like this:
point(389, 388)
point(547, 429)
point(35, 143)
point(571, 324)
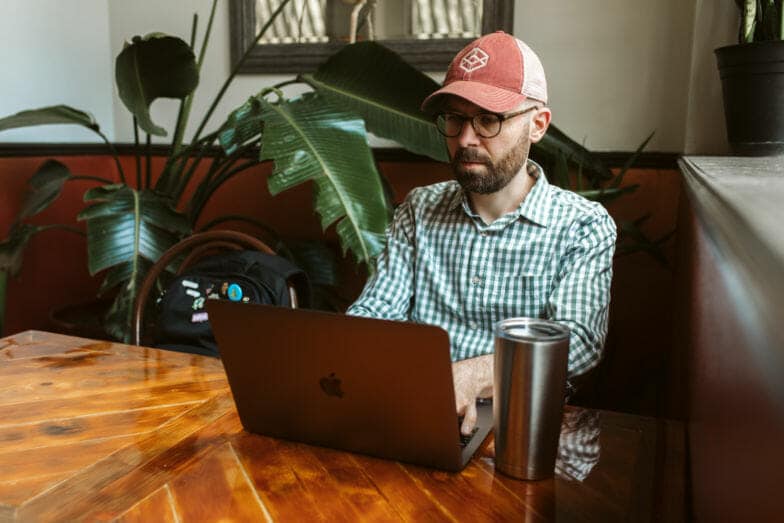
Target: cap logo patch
point(475, 59)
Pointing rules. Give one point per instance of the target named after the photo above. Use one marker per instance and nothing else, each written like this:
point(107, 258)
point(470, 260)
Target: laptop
point(376, 387)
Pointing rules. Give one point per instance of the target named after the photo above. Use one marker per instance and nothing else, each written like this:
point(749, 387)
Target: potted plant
point(752, 76)
point(132, 218)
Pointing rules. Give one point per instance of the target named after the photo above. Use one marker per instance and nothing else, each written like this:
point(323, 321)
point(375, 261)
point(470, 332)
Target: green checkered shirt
point(551, 258)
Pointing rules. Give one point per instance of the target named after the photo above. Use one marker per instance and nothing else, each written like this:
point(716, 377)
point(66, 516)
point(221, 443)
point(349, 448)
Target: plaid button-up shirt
point(551, 258)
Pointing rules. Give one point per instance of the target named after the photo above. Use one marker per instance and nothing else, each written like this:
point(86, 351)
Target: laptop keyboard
point(464, 438)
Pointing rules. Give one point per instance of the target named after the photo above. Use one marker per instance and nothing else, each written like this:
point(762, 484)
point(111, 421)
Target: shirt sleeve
point(388, 292)
point(581, 297)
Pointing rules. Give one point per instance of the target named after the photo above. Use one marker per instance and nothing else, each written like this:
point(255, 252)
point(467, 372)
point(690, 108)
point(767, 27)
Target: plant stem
point(194, 26)
point(214, 185)
point(185, 106)
point(114, 153)
point(236, 69)
point(284, 83)
point(163, 184)
point(206, 40)
point(136, 154)
point(269, 231)
point(90, 178)
point(149, 161)
point(184, 180)
point(61, 227)
point(3, 282)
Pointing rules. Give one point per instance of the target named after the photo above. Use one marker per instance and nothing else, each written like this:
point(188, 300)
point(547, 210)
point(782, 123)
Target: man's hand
point(473, 379)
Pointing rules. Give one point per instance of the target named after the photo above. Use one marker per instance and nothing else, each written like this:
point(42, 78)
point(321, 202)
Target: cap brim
point(488, 97)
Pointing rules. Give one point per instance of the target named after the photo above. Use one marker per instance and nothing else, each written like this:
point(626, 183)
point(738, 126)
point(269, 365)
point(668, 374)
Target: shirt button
point(483, 233)
point(473, 325)
point(476, 280)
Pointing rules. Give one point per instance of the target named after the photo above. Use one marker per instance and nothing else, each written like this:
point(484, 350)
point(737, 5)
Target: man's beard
point(496, 175)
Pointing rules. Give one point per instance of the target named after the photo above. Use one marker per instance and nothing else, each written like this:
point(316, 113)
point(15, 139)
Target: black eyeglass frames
point(486, 125)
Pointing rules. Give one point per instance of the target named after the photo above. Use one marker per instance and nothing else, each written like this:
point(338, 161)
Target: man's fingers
point(469, 421)
point(461, 407)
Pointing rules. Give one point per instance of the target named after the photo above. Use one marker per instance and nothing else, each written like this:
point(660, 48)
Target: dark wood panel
point(646, 160)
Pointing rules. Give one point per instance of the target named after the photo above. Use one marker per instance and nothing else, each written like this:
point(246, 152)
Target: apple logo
point(331, 385)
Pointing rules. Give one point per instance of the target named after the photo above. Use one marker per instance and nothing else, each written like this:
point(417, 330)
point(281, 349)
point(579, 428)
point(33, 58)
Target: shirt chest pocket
point(522, 293)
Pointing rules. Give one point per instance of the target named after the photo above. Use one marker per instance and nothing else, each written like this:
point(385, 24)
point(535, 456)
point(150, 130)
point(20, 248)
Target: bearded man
point(499, 241)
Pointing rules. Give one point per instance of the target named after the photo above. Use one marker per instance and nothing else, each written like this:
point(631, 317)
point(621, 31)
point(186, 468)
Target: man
point(498, 242)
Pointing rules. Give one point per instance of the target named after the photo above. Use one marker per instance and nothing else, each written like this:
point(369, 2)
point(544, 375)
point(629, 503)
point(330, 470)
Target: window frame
point(426, 55)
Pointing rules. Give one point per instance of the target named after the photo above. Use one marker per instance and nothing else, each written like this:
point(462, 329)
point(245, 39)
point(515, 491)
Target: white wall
point(617, 69)
point(55, 53)
point(716, 25)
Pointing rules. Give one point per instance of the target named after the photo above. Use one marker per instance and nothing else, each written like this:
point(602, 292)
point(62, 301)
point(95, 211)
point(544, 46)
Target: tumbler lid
point(531, 329)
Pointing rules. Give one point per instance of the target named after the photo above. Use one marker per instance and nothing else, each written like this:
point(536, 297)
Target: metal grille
point(446, 18)
point(302, 21)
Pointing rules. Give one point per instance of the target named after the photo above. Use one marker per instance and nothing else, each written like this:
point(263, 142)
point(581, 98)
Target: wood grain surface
point(97, 431)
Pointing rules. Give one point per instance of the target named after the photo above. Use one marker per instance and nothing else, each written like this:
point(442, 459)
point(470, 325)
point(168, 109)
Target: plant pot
point(752, 80)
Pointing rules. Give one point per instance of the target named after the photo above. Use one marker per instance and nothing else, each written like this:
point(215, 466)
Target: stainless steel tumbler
point(529, 386)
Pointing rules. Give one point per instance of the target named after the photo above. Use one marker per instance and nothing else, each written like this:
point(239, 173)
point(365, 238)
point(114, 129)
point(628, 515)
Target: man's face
point(487, 165)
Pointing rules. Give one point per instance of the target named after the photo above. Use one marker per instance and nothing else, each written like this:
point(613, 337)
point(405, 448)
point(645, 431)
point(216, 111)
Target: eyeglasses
point(486, 125)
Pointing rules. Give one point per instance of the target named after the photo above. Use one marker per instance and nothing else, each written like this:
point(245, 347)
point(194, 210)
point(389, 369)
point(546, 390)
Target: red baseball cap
point(497, 72)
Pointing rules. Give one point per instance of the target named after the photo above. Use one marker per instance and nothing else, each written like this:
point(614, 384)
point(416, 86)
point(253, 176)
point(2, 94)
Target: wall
point(716, 25)
point(56, 53)
point(618, 69)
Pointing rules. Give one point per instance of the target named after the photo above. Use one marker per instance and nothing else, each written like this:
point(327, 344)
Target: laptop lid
point(371, 386)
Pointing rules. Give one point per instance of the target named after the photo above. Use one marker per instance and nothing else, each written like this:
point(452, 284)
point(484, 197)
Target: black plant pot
point(752, 79)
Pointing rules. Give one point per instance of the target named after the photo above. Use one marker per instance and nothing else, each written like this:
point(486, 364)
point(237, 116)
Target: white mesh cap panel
point(534, 81)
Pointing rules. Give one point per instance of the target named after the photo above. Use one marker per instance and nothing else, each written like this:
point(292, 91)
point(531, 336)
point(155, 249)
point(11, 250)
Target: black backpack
point(242, 276)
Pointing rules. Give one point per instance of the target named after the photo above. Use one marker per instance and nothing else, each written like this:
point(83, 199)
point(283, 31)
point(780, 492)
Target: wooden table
point(100, 431)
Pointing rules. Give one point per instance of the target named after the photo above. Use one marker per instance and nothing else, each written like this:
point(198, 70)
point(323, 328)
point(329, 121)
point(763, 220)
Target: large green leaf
point(117, 321)
point(316, 259)
point(127, 230)
point(155, 66)
point(748, 21)
point(12, 248)
point(630, 161)
point(386, 91)
point(243, 125)
point(311, 139)
point(55, 114)
point(124, 224)
point(44, 187)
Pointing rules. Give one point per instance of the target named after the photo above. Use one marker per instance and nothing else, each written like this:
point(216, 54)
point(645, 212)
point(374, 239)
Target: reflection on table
point(98, 431)
point(579, 445)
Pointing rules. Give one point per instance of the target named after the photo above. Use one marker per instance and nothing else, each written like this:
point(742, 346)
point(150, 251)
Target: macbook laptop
point(375, 387)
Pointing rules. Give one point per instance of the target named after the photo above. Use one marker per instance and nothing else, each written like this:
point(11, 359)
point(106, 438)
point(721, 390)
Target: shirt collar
point(533, 208)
